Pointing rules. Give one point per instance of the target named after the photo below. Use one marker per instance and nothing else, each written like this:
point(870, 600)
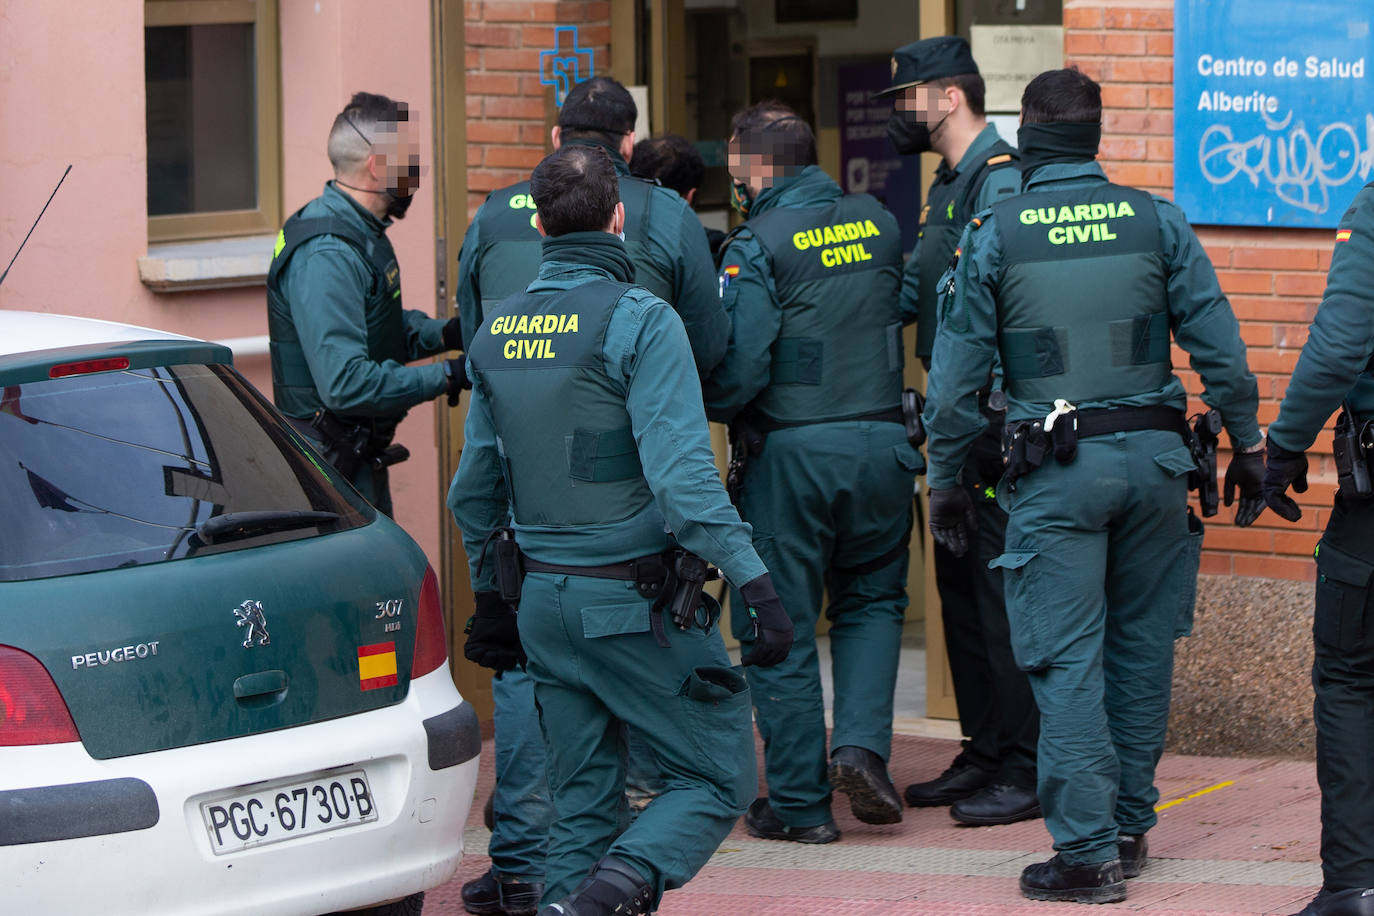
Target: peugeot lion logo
point(250, 615)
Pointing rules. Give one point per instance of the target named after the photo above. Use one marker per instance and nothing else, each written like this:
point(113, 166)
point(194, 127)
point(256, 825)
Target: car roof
point(27, 332)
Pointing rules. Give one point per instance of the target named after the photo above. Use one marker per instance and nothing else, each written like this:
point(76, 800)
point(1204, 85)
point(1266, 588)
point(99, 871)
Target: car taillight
point(86, 367)
point(431, 643)
point(32, 710)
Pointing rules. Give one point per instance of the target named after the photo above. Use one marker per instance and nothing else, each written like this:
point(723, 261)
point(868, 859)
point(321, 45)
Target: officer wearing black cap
point(938, 105)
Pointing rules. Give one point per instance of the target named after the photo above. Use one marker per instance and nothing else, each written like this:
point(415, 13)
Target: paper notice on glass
point(1010, 56)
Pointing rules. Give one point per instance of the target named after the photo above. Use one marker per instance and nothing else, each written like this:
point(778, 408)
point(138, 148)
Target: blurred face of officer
point(918, 112)
point(395, 164)
point(750, 171)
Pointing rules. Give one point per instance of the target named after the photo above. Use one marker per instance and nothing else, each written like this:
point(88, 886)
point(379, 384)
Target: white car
point(223, 675)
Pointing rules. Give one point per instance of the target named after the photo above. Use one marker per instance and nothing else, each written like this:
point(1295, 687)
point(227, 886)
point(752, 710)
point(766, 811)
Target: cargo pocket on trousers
point(1185, 571)
point(1176, 461)
point(1342, 599)
point(1026, 607)
point(600, 620)
point(718, 714)
point(908, 459)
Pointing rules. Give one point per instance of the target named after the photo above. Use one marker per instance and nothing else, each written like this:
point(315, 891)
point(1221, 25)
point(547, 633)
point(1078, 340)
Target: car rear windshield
point(125, 468)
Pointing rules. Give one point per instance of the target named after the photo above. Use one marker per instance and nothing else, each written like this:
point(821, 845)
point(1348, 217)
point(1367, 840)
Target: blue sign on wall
point(868, 161)
point(1273, 109)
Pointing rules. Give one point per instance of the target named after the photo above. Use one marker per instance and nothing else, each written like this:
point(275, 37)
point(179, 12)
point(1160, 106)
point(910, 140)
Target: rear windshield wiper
point(233, 525)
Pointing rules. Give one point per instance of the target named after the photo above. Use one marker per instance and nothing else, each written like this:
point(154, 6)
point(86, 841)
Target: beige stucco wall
point(71, 90)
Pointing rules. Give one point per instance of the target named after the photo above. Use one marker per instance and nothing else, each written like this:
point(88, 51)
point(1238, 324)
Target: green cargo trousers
point(1101, 573)
point(824, 499)
point(595, 664)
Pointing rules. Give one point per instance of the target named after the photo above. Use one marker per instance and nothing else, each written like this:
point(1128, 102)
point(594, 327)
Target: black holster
point(746, 440)
point(349, 444)
point(913, 405)
point(1025, 446)
point(1351, 448)
point(1202, 442)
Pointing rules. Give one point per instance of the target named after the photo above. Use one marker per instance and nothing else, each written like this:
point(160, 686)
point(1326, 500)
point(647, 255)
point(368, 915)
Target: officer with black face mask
point(938, 106)
point(339, 337)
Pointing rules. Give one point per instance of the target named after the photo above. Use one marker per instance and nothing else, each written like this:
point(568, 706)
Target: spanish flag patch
point(1342, 235)
point(732, 270)
point(377, 665)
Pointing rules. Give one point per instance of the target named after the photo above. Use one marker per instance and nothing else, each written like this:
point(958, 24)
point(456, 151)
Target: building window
point(211, 77)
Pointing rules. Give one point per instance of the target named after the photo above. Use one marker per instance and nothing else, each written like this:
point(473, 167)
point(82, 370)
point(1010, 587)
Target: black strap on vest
point(985, 168)
point(1106, 420)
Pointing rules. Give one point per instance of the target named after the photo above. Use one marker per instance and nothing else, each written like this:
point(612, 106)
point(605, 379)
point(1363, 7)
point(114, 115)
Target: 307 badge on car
point(287, 810)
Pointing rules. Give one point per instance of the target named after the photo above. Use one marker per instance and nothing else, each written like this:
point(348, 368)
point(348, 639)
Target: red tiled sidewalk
point(1236, 837)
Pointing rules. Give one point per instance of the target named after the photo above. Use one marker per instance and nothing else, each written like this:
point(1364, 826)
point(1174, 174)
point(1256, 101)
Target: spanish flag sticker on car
point(1343, 235)
point(377, 665)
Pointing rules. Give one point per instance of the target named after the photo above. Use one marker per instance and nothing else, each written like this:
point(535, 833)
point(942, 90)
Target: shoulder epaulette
point(1000, 159)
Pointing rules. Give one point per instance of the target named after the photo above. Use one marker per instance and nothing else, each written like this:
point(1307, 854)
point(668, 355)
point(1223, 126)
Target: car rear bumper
point(126, 835)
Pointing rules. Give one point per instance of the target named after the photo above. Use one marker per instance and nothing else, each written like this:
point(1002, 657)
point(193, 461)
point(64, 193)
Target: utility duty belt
point(1026, 444)
point(351, 444)
point(674, 579)
point(1353, 451)
point(750, 429)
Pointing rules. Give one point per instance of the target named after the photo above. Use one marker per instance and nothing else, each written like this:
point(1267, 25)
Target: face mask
point(909, 135)
point(396, 205)
point(741, 198)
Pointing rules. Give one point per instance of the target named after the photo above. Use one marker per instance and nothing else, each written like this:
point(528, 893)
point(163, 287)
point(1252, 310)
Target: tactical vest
point(510, 258)
point(567, 448)
point(837, 272)
point(1082, 307)
point(948, 209)
point(293, 387)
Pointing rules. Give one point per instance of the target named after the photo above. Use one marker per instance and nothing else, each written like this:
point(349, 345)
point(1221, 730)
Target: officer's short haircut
point(356, 129)
point(575, 189)
point(973, 87)
point(671, 160)
point(776, 132)
point(1067, 96)
point(598, 109)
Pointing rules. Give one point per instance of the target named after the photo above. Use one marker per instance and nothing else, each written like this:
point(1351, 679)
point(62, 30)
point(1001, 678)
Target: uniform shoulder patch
point(1001, 159)
point(1343, 235)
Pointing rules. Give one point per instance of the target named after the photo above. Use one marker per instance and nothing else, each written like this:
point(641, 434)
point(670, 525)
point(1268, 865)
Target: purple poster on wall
point(868, 163)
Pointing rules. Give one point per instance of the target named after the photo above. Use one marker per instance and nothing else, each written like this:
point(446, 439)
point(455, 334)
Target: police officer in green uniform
point(1335, 372)
point(587, 431)
point(500, 256)
point(1075, 287)
point(339, 337)
point(812, 384)
point(938, 105)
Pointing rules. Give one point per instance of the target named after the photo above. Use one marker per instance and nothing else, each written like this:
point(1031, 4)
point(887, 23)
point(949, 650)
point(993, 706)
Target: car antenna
point(35, 225)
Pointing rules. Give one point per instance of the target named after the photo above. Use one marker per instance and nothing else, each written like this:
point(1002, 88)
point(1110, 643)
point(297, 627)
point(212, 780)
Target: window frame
point(266, 216)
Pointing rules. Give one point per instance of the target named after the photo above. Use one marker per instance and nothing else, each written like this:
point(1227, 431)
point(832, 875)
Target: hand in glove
point(1246, 471)
point(493, 637)
point(456, 371)
point(773, 629)
point(1282, 470)
point(453, 335)
point(952, 518)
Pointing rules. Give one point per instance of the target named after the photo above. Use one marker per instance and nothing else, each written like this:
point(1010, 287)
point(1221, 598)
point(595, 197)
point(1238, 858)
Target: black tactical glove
point(1246, 471)
point(493, 637)
point(453, 334)
point(952, 518)
point(1282, 470)
point(456, 371)
point(773, 629)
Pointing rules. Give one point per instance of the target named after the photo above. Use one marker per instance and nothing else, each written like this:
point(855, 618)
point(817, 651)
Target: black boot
point(761, 821)
point(498, 895)
point(959, 781)
point(1058, 880)
point(1357, 901)
point(999, 803)
point(1134, 852)
point(862, 775)
point(613, 888)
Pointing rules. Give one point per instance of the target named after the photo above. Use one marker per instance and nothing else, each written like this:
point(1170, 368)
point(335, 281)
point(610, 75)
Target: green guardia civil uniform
point(339, 336)
point(586, 430)
point(1336, 369)
point(500, 256)
point(1076, 286)
point(811, 282)
point(663, 236)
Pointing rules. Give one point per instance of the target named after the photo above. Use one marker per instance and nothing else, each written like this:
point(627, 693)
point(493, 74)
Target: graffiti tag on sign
point(566, 65)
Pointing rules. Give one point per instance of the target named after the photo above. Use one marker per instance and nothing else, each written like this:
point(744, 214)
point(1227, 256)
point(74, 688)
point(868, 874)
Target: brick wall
point(1274, 277)
point(508, 108)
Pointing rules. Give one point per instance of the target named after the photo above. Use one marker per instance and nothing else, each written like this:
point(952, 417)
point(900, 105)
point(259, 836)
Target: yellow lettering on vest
point(1028, 218)
point(829, 235)
point(1065, 215)
point(815, 237)
point(495, 325)
point(1080, 212)
point(828, 257)
point(799, 241)
point(508, 351)
point(1056, 235)
point(1046, 214)
point(522, 326)
point(569, 325)
point(1107, 234)
point(1097, 211)
point(1124, 209)
point(870, 229)
point(1081, 233)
